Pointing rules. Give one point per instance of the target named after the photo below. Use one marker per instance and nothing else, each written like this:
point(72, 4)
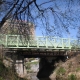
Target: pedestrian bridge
point(39, 42)
point(39, 46)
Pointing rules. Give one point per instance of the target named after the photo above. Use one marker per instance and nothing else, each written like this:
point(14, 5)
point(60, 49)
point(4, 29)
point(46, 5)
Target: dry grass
point(72, 69)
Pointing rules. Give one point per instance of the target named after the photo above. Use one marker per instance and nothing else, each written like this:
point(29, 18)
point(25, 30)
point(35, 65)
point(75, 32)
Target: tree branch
point(24, 8)
point(8, 14)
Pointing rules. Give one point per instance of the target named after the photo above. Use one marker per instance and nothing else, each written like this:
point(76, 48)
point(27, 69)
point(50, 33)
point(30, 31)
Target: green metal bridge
point(39, 44)
point(48, 42)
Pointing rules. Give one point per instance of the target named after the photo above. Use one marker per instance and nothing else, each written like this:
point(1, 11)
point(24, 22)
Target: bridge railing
point(53, 42)
point(19, 41)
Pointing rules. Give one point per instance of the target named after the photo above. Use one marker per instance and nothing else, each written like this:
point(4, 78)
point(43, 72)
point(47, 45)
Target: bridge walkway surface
point(37, 46)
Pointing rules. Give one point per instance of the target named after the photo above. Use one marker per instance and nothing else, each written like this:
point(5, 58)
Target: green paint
point(44, 42)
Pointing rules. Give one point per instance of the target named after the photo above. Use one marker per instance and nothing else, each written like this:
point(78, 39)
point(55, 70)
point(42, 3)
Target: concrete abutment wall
point(16, 62)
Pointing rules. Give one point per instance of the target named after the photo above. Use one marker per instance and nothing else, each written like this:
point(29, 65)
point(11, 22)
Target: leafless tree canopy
point(55, 16)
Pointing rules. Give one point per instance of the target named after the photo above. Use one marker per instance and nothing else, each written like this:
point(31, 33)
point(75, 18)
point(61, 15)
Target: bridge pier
point(20, 67)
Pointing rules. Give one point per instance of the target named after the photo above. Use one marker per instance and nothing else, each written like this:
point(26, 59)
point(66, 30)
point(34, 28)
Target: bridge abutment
point(20, 67)
point(16, 62)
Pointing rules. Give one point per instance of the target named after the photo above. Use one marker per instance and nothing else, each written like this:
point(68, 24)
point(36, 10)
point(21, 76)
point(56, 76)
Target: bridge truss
point(46, 42)
point(38, 46)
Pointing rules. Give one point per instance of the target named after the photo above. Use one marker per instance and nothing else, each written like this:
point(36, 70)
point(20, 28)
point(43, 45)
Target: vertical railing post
point(37, 42)
point(17, 40)
point(28, 44)
point(28, 40)
point(6, 40)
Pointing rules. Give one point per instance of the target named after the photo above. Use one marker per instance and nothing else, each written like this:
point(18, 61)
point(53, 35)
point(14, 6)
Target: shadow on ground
point(47, 68)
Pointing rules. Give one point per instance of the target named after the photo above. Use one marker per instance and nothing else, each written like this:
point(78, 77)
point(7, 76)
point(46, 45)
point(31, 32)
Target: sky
point(75, 23)
point(60, 6)
point(72, 34)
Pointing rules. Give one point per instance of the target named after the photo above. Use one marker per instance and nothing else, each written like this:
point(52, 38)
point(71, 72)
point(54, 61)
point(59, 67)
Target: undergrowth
point(8, 73)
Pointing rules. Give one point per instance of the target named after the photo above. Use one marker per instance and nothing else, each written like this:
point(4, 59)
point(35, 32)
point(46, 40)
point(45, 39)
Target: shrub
point(72, 77)
point(78, 69)
point(8, 73)
point(1, 78)
point(61, 71)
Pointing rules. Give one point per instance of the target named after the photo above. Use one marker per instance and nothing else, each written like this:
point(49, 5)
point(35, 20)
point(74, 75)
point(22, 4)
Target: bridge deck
point(36, 52)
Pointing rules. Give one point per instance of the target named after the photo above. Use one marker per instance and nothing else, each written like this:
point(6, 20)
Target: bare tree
point(55, 16)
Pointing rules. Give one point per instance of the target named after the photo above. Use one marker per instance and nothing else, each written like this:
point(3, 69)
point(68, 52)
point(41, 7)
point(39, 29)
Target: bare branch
point(24, 8)
point(8, 14)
